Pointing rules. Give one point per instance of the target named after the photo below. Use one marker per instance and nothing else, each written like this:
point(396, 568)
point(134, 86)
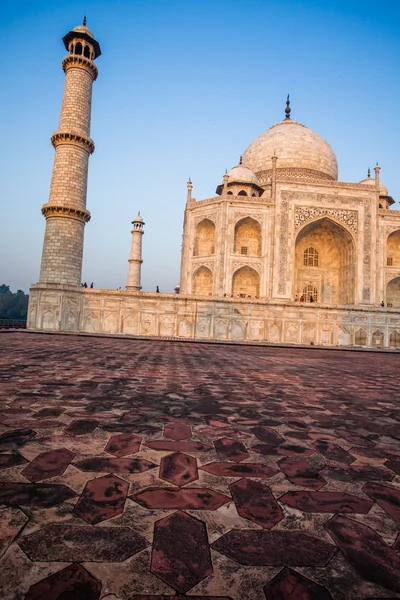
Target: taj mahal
point(283, 252)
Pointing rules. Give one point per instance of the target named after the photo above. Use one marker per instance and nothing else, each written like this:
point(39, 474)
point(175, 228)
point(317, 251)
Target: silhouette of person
point(157, 290)
point(91, 285)
point(311, 299)
point(85, 285)
point(382, 304)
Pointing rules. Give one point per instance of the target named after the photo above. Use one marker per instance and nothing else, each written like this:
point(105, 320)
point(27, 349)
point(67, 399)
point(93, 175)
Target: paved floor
point(144, 469)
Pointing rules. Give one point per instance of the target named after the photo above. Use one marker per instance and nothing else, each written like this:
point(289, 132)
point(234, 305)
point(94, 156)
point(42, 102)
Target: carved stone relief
point(302, 214)
point(283, 243)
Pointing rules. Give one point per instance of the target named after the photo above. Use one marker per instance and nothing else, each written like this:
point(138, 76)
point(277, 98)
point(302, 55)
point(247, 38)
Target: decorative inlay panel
point(207, 264)
point(306, 213)
point(243, 215)
point(210, 216)
point(283, 244)
point(238, 264)
point(391, 275)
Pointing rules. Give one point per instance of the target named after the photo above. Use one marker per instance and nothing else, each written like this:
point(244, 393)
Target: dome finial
point(84, 21)
point(369, 172)
point(287, 109)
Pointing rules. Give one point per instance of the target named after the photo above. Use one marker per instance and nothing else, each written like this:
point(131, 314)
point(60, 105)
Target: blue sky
point(184, 87)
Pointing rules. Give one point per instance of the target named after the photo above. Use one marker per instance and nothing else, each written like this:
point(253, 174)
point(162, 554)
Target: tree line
point(13, 305)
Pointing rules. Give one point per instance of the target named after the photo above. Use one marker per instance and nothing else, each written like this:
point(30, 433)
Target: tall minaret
point(65, 212)
point(135, 259)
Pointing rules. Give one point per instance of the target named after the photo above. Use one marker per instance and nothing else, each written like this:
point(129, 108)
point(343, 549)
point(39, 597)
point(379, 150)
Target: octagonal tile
point(81, 427)
point(388, 498)
point(48, 464)
point(255, 501)
point(123, 444)
point(179, 469)
point(11, 460)
point(226, 469)
point(177, 446)
point(181, 554)
point(229, 449)
point(11, 440)
point(274, 548)
point(177, 431)
point(300, 472)
point(182, 498)
point(34, 494)
point(73, 582)
point(102, 499)
point(333, 452)
point(290, 585)
point(326, 502)
point(65, 543)
point(105, 464)
point(365, 550)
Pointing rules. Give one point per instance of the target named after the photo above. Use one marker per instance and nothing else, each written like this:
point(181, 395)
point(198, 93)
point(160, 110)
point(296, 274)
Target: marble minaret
point(135, 259)
point(65, 211)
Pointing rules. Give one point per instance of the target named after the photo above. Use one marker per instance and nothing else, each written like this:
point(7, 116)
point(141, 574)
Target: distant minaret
point(135, 259)
point(65, 212)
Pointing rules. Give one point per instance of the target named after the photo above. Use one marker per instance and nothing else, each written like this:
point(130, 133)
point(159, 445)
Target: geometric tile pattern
point(146, 470)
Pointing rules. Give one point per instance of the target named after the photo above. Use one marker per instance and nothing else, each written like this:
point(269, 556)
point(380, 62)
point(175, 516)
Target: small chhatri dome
point(242, 174)
point(138, 219)
point(83, 32)
point(297, 147)
point(370, 181)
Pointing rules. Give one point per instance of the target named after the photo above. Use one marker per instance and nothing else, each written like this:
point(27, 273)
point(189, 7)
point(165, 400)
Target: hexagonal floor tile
point(48, 464)
point(105, 464)
point(268, 436)
point(179, 469)
point(274, 548)
point(255, 501)
point(226, 469)
point(229, 449)
point(365, 550)
point(181, 554)
point(123, 444)
point(11, 440)
point(333, 452)
point(289, 585)
point(357, 473)
point(65, 543)
point(72, 582)
point(102, 499)
point(388, 498)
point(11, 460)
point(326, 502)
point(34, 494)
point(300, 472)
point(177, 446)
point(178, 431)
point(181, 499)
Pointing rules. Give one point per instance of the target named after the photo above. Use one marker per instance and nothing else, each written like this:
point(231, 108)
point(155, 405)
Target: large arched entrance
point(246, 283)
point(203, 282)
point(393, 249)
point(325, 264)
point(393, 293)
point(248, 237)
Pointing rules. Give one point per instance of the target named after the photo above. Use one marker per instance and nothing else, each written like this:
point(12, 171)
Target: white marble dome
point(383, 191)
point(296, 147)
point(242, 174)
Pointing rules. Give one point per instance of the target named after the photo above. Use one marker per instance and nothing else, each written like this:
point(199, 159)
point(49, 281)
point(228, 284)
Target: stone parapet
point(72, 61)
point(60, 137)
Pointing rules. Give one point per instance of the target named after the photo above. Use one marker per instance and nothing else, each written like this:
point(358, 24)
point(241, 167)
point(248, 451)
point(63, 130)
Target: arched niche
point(248, 237)
point(204, 241)
point(203, 282)
point(393, 249)
point(325, 260)
point(393, 293)
point(245, 283)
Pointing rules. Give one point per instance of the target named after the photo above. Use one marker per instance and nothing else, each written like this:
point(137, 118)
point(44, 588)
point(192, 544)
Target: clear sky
point(184, 87)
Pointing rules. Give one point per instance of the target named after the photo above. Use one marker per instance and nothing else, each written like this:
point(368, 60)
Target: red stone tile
point(326, 502)
point(333, 452)
point(357, 473)
point(180, 499)
point(73, 582)
point(104, 464)
point(365, 550)
point(65, 543)
point(388, 498)
point(34, 494)
point(255, 501)
point(180, 597)
point(179, 469)
point(123, 444)
point(229, 449)
point(102, 499)
point(181, 554)
point(81, 427)
point(44, 413)
point(177, 431)
point(268, 436)
point(393, 465)
point(274, 548)
point(11, 460)
point(48, 464)
point(290, 585)
point(177, 446)
point(11, 440)
point(226, 469)
point(300, 472)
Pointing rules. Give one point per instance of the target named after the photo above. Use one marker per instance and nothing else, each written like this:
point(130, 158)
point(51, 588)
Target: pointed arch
point(248, 237)
point(204, 241)
point(393, 293)
point(202, 282)
point(245, 283)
